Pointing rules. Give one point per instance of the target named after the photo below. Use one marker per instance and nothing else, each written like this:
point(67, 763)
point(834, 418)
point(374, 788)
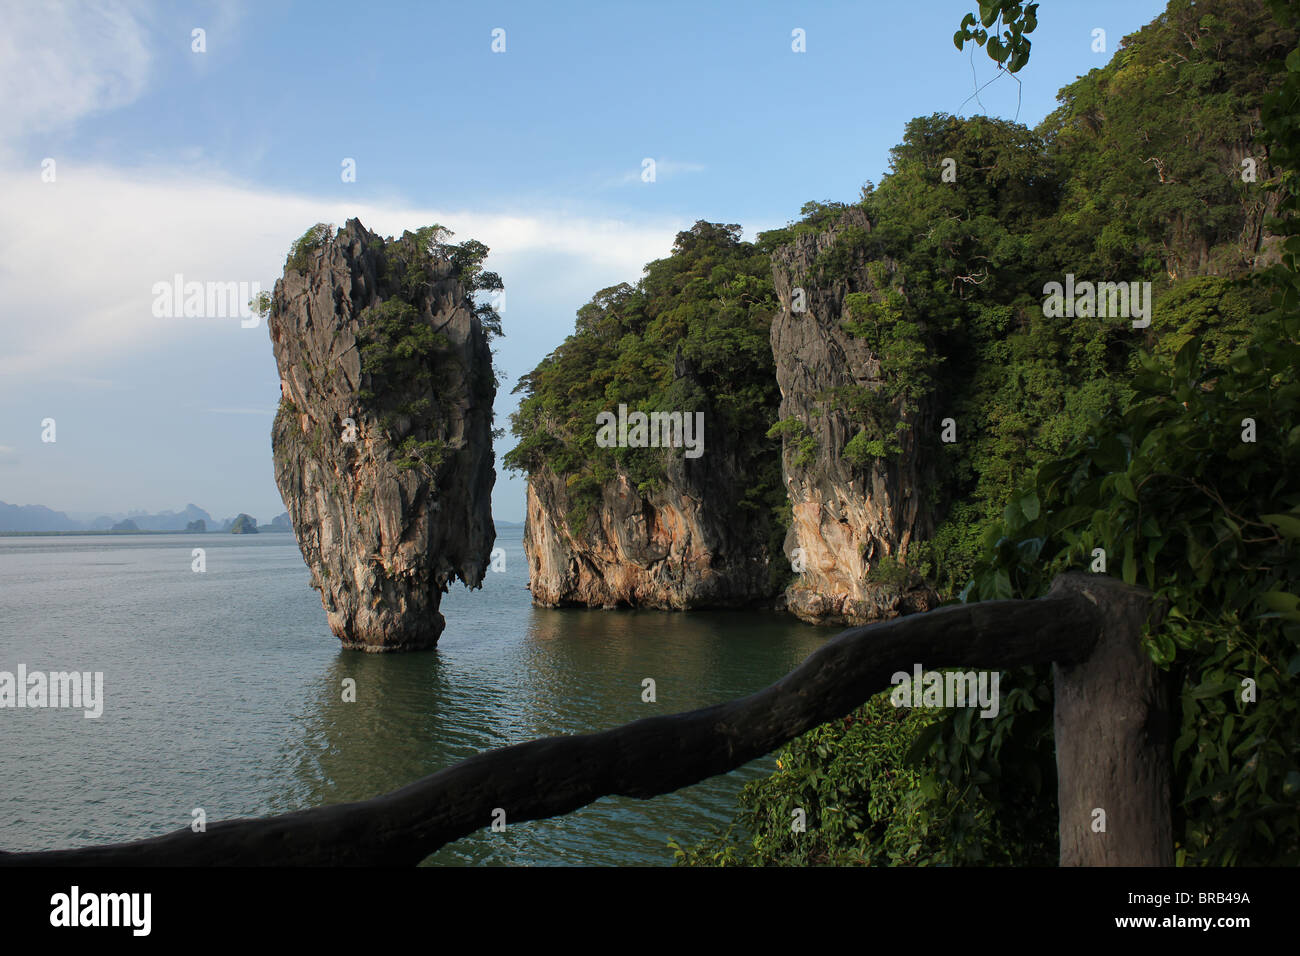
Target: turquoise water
point(222, 690)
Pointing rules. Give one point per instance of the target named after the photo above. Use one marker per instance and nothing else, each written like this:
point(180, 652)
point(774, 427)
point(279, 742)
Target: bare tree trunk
point(1112, 746)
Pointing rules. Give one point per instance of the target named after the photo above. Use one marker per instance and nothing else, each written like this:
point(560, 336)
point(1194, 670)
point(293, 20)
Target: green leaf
point(1186, 358)
point(1002, 585)
point(1213, 690)
point(1210, 789)
point(961, 724)
point(1124, 484)
point(1129, 572)
point(1279, 601)
point(929, 786)
point(923, 742)
point(1163, 650)
point(1289, 525)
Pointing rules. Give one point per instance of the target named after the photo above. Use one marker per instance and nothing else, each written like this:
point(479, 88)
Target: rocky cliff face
point(673, 549)
point(689, 543)
point(652, 479)
point(847, 521)
point(386, 473)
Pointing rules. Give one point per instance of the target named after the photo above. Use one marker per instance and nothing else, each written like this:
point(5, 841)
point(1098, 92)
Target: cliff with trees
point(1161, 453)
point(383, 439)
point(693, 524)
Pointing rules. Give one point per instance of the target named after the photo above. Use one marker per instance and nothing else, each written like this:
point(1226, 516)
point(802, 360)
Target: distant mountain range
point(39, 518)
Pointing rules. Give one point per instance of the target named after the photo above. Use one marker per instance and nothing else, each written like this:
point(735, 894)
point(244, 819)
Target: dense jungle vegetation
point(692, 334)
point(1173, 457)
point(1163, 454)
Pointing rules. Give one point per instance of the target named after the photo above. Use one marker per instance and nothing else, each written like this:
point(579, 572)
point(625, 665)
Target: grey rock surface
point(382, 539)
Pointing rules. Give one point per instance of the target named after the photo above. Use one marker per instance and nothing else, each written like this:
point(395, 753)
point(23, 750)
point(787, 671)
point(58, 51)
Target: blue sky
point(209, 164)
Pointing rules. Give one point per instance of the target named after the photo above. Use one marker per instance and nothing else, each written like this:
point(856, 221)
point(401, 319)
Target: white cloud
point(60, 61)
point(79, 257)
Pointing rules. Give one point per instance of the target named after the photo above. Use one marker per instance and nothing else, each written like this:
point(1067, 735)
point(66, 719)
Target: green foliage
point(1016, 21)
point(795, 431)
point(807, 453)
point(426, 455)
point(415, 260)
point(888, 571)
point(792, 428)
point(300, 252)
point(260, 304)
point(399, 355)
point(692, 335)
point(965, 259)
point(409, 374)
point(817, 216)
point(244, 524)
point(852, 781)
point(1156, 191)
point(411, 260)
point(1180, 504)
point(906, 362)
point(861, 450)
point(869, 801)
point(1221, 312)
point(1083, 436)
point(1174, 497)
point(941, 291)
point(839, 260)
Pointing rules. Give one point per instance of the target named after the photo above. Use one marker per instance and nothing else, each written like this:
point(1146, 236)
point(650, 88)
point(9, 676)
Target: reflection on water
point(224, 690)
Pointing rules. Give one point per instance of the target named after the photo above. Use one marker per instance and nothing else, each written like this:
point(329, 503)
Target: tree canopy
point(1166, 457)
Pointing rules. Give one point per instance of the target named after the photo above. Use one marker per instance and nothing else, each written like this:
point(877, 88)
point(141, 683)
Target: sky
point(128, 156)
